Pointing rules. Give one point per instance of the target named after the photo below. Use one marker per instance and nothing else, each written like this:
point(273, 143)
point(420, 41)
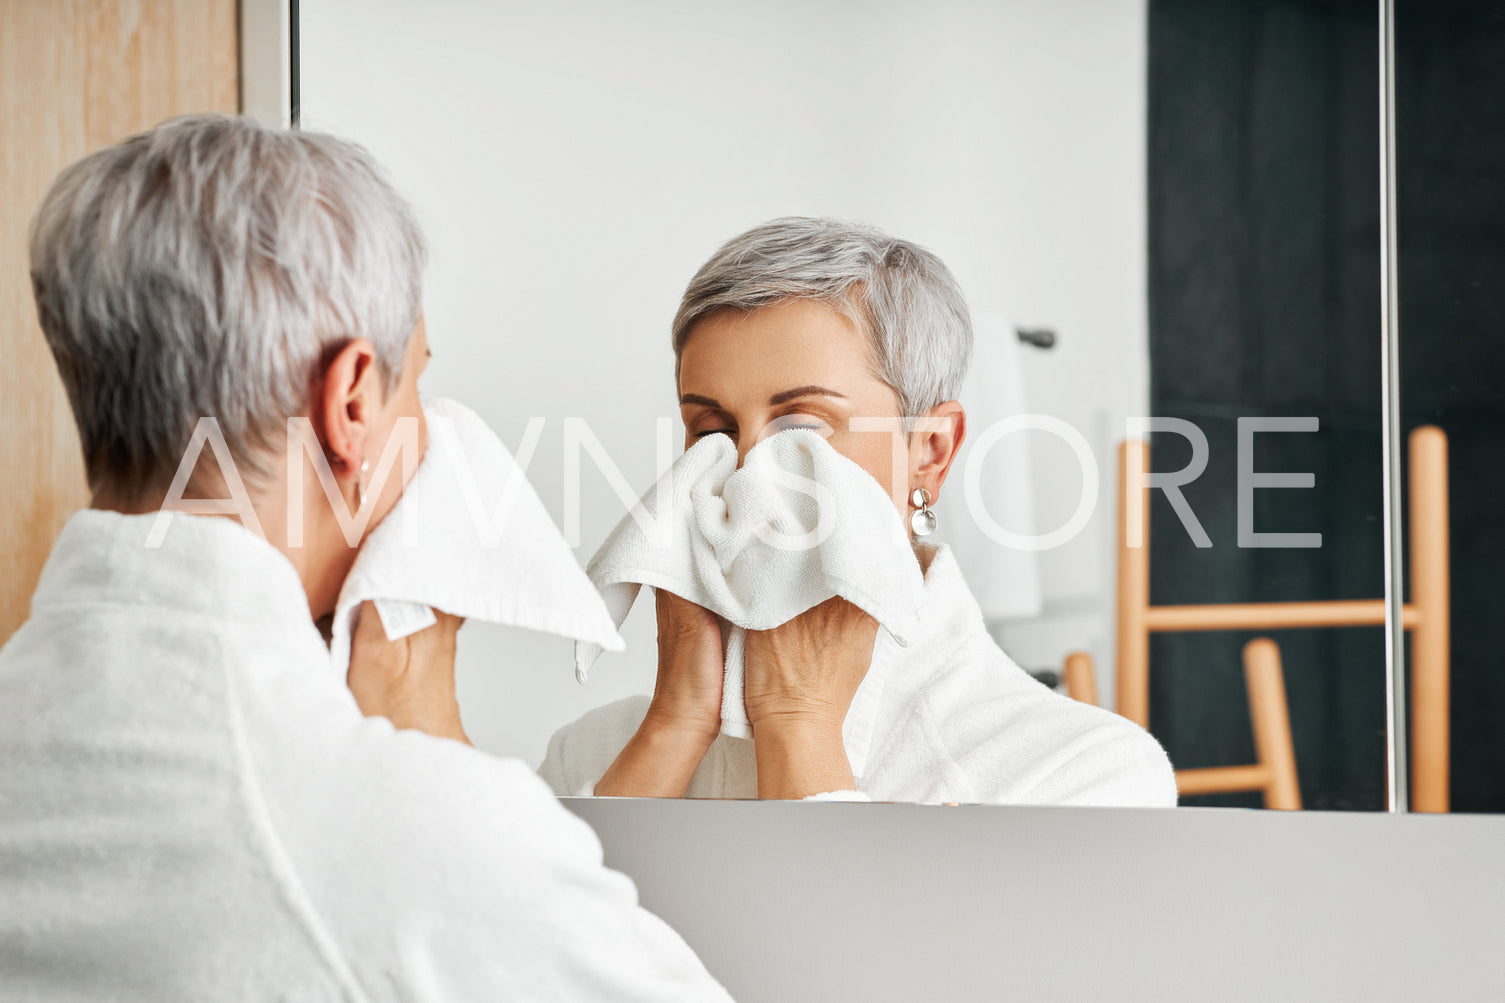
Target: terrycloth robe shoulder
point(193, 808)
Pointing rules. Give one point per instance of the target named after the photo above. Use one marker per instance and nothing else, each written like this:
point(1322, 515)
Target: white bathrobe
point(950, 718)
point(193, 808)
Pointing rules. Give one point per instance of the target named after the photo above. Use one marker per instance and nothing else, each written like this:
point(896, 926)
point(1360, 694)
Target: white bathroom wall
point(574, 163)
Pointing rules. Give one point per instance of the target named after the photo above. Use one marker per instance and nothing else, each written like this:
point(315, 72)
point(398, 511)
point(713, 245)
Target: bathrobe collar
point(950, 608)
point(205, 565)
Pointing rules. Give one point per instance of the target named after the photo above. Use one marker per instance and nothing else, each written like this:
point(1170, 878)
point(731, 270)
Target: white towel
point(469, 536)
point(797, 524)
point(1005, 580)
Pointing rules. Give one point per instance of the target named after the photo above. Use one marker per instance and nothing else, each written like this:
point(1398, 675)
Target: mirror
point(1153, 209)
point(1264, 287)
point(1450, 159)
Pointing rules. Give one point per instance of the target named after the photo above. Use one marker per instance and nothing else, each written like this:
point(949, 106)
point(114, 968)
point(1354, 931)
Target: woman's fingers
point(409, 681)
point(680, 615)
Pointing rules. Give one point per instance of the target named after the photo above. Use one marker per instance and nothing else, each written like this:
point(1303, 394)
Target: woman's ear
point(933, 445)
point(346, 402)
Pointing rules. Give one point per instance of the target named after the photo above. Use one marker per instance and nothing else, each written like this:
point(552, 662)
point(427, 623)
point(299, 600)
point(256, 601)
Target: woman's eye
point(713, 431)
point(789, 421)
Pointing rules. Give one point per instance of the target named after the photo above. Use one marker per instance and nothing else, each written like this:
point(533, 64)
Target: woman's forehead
point(791, 344)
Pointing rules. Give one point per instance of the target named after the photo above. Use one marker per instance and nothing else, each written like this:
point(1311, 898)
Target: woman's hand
point(691, 669)
point(800, 681)
point(411, 681)
point(685, 714)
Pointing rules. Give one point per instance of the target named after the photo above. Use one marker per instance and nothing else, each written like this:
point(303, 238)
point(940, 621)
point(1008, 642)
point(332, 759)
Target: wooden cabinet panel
point(75, 76)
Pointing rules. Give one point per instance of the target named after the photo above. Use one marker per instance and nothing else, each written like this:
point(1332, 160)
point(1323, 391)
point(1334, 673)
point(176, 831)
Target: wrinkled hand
point(691, 667)
point(808, 669)
point(800, 681)
point(685, 714)
point(411, 681)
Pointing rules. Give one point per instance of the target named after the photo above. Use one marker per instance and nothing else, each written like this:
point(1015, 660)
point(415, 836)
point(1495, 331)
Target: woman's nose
point(751, 430)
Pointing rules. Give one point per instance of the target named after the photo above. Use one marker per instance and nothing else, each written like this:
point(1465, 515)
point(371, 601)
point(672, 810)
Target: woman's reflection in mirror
point(815, 323)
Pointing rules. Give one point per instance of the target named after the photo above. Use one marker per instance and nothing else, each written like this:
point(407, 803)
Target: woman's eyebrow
point(797, 392)
point(697, 399)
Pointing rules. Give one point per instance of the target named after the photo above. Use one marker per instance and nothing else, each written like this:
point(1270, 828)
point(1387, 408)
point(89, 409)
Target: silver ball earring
point(360, 485)
point(923, 521)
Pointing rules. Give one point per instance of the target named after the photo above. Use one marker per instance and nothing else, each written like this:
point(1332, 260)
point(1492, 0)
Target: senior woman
point(822, 324)
point(191, 806)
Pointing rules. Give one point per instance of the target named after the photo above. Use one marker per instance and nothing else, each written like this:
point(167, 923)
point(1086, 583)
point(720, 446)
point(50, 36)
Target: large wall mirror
point(1164, 209)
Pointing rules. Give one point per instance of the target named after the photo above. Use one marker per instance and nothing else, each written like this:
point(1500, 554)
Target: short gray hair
point(900, 294)
point(208, 268)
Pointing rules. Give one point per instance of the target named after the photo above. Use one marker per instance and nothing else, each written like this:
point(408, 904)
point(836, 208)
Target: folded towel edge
point(593, 626)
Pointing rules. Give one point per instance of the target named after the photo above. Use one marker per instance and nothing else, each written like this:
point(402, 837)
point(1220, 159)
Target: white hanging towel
point(469, 536)
point(797, 524)
point(1004, 580)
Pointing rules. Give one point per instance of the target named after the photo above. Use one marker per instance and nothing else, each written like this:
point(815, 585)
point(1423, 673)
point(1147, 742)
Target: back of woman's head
point(205, 269)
